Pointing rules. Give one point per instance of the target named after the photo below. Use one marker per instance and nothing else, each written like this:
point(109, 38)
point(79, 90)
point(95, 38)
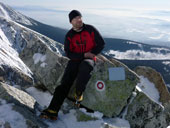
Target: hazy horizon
point(142, 24)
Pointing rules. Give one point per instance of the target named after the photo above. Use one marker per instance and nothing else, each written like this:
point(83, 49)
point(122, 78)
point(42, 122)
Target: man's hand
point(89, 55)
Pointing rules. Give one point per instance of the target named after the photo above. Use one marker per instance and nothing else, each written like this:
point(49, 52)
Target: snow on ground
point(10, 57)
point(149, 89)
point(15, 119)
point(38, 57)
point(138, 55)
point(43, 98)
point(69, 120)
point(10, 14)
point(4, 13)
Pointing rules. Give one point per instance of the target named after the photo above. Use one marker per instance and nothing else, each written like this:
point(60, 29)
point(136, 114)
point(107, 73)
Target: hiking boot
point(49, 114)
point(78, 97)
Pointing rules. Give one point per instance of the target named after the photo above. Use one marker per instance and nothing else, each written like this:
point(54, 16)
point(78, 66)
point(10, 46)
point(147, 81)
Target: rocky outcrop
point(15, 76)
point(22, 105)
point(42, 55)
point(113, 98)
point(143, 112)
point(156, 78)
point(44, 58)
point(46, 65)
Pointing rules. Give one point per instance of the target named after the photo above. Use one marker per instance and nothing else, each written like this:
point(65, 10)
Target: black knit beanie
point(73, 14)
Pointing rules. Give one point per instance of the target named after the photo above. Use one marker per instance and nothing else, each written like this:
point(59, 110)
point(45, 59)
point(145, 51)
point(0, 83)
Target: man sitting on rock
point(82, 43)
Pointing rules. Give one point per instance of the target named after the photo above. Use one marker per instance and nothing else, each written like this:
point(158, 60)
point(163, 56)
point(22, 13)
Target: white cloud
point(166, 63)
point(157, 37)
point(138, 55)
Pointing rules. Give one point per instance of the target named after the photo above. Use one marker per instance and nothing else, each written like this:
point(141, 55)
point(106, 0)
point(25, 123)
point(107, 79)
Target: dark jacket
point(78, 43)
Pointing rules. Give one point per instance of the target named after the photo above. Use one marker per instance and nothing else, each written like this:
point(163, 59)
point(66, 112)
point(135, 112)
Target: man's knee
point(86, 66)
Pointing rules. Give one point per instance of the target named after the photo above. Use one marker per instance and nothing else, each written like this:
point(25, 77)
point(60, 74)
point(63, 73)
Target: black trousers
point(75, 69)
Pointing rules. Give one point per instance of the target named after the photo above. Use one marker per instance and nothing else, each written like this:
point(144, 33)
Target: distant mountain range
point(129, 52)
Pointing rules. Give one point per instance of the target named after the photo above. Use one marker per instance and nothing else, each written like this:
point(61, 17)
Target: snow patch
point(96, 114)
point(117, 123)
point(43, 65)
point(149, 89)
point(38, 57)
point(130, 42)
point(15, 119)
point(43, 98)
point(69, 120)
point(10, 57)
point(12, 15)
point(4, 13)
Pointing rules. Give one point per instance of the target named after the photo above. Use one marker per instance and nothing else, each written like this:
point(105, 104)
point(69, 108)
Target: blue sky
point(146, 21)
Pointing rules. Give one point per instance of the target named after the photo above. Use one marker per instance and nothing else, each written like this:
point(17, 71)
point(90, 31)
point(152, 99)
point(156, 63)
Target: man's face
point(77, 22)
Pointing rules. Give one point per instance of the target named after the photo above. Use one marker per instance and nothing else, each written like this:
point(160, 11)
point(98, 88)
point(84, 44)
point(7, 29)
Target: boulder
point(15, 76)
point(113, 98)
point(145, 113)
point(156, 78)
point(46, 65)
point(20, 107)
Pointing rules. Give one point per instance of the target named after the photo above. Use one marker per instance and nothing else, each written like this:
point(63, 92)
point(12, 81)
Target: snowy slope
point(9, 56)
point(13, 41)
point(52, 32)
point(9, 13)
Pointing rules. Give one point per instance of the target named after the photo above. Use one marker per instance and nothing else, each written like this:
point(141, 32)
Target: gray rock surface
point(21, 103)
point(143, 112)
point(156, 78)
point(113, 98)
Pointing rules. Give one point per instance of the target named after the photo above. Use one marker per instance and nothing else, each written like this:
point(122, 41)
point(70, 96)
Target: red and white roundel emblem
point(100, 86)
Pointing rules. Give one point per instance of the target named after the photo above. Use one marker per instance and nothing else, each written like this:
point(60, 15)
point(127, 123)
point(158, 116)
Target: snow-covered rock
point(19, 43)
point(17, 109)
point(10, 14)
point(12, 68)
point(143, 112)
point(157, 80)
point(151, 106)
